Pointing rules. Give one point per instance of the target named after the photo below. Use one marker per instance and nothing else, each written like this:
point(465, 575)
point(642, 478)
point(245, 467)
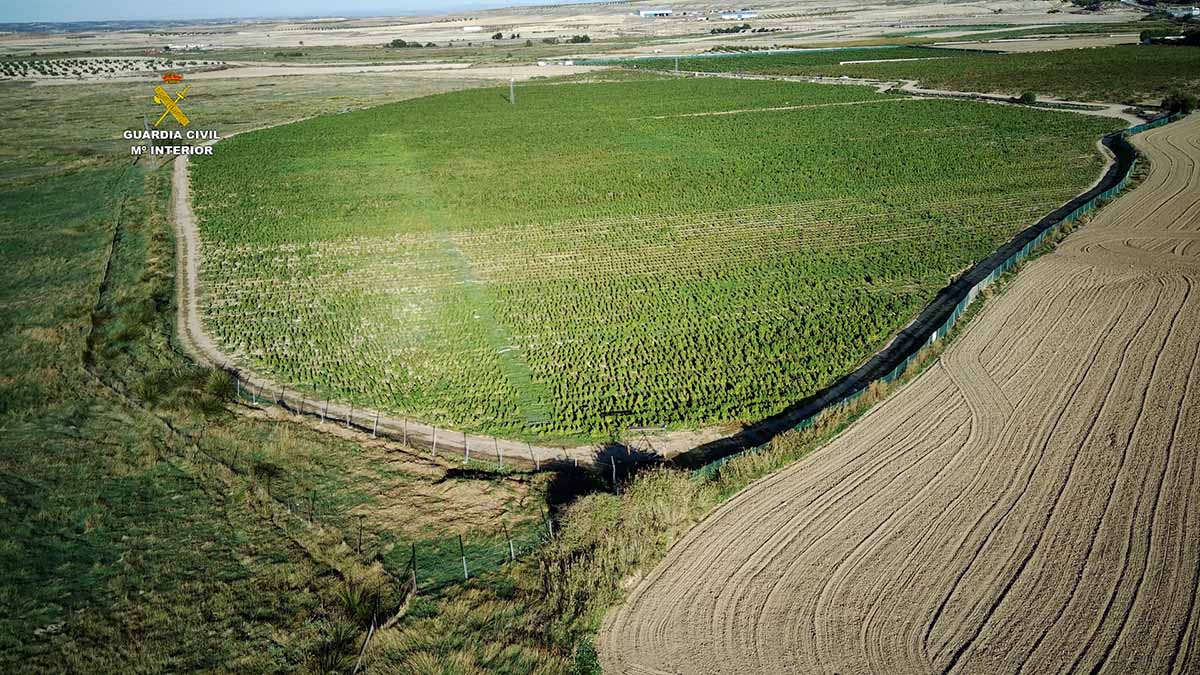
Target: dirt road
point(1030, 505)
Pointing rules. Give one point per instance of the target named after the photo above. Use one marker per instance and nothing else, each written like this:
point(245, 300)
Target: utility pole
point(512, 93)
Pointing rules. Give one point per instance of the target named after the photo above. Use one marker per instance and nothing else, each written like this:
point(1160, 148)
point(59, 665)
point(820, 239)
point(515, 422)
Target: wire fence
point(1050, 229)
point(470, 451)
point(445, 561)
point(433, 563)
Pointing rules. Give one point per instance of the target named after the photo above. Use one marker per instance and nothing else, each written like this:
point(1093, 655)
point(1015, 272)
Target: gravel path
point(1030, 505)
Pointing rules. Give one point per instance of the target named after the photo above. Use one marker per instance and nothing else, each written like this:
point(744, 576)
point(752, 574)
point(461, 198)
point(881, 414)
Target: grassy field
point(780, 62)
point(603, 255)
point(1122, 73)
point(149, 527)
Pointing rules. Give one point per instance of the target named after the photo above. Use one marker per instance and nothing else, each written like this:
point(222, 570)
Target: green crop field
point(660, 252)
point(1119, 73)
point(787, 63)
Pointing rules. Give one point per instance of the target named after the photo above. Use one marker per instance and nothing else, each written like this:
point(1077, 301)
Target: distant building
point(649, 13)
point(1183, 12)
point(738, 16)
point(472, 29)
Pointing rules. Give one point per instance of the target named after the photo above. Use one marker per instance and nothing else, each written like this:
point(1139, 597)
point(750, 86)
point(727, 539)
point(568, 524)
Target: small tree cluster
point(1179, 102)
point(404, 44)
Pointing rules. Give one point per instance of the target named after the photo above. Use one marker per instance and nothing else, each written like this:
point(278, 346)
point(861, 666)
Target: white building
point(649, 13)
point(738, 16)
point(1183, 12)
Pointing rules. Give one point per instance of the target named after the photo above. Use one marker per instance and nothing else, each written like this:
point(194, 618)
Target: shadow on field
point(615, 464)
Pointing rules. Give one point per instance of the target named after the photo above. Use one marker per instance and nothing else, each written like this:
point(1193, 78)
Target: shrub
point(1179, 102)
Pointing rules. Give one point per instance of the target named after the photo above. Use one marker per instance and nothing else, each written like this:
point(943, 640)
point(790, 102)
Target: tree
point(1028, 98)
point(398, 43)
point(1179, 102)
point(498, 36)
point(430, 44)
point(529, 43)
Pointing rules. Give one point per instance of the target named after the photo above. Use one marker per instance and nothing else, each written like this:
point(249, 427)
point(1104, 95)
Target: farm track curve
point(1030, 505)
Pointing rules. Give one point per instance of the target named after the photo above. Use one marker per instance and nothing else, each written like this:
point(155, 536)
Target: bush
point(587, 661)
point(1028, 98)
point(1179, 102)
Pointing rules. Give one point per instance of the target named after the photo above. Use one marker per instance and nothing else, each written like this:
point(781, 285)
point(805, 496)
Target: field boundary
point(936, 320)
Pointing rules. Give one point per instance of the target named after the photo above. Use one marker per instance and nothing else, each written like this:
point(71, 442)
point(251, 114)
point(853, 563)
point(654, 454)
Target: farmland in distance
point(671, 252)
point(1119, 73)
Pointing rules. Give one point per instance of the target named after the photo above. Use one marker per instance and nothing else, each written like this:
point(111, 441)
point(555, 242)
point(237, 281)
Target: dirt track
point(1029, 505)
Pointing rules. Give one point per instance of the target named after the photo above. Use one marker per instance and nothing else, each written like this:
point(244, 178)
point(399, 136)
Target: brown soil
point(1030, 505)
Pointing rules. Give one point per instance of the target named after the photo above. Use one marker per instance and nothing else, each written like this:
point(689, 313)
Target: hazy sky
point(106, 10)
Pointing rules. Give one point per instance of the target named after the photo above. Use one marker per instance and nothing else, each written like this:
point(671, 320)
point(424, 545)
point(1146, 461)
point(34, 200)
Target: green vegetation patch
point(786, 62)
point(1118, 73)
point(678, 252)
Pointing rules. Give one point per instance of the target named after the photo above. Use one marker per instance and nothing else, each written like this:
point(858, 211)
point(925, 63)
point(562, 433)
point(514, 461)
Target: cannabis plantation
point(674, 252)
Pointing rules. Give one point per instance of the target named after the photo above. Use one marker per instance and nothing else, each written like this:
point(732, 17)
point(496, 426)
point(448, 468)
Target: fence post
point(360, 524)
point(302, 399)
point(375, 428)
point(613, 460)
point(537, 466)
point(512, 553)
point(549, 523)
point(405, 431)
point(499, 455)
point(433, 452)
point(466, 449)
point(413, 564)
point(324, 411)
point(462, 550)
point(237, 381)
point(348, 414)
point(253, 395)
